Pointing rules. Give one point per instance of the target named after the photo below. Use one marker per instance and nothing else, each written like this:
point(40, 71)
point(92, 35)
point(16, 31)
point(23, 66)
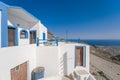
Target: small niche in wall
point(23, 34)
point(17, 68)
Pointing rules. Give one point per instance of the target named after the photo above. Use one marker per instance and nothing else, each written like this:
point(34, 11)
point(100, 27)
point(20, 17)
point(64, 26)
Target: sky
point(84, 19)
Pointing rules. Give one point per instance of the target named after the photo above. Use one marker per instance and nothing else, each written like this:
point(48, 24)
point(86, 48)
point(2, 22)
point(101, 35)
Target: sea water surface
point(102, 42)
point(98, 42)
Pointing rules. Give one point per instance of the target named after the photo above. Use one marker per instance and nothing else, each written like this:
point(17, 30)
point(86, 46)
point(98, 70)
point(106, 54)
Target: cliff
point(105, 62)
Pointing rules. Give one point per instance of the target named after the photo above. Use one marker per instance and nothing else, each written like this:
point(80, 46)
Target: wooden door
point(79, 56)
point(19, 72)
point(32, 37)
point(11, 37)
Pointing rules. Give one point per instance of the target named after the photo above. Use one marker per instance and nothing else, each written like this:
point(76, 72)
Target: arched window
point(23, 34)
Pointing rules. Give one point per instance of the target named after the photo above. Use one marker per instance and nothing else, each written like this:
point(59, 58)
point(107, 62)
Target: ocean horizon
point(102, 42)
point(98, 42)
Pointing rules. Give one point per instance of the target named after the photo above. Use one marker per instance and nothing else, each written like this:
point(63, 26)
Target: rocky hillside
point(50, 35)
point(105, 62)
point(109, 53)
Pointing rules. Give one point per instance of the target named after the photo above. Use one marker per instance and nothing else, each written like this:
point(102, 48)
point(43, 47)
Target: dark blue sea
point(99, 42)
point(103, 42)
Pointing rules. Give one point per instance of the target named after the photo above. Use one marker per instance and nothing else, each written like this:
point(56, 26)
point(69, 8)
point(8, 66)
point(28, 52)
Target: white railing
point(82, 74)
point(61, 66)
point(53, 42)
point(91, 77)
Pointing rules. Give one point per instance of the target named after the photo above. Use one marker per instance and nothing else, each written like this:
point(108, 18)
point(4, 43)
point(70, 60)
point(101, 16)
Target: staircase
point(61, 66)
point(82, 75)
point(91, 77)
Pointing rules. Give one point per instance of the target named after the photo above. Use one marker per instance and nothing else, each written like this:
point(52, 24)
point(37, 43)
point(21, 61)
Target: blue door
point(44, 36)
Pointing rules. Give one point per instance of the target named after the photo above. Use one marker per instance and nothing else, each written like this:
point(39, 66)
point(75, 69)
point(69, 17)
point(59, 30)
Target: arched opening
point(23, 34)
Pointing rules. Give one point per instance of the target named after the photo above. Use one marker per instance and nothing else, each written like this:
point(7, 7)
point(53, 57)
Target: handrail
point(55, 41)
point(91, 77)
point(73, 40)
point(47, 41)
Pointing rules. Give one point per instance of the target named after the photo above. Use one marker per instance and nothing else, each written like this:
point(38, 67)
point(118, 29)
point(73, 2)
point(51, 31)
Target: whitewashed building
point(24, 46)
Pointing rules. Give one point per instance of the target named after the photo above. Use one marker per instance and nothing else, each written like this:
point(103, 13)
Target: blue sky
point(84, 19)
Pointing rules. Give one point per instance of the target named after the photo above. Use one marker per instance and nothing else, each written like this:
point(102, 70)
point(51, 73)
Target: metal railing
point(73, 40)
point(55, 41)
point(91, 77)
point(47, 42)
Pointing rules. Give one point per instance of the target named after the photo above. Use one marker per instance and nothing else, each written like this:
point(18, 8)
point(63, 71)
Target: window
point(23, 34)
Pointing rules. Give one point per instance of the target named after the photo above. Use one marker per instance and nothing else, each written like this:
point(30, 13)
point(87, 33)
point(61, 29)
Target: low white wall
point(47, 56)
point(12, 56)
point(0, 25)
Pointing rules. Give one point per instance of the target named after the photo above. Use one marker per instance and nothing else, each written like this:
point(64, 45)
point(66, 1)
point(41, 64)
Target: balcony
point(52, 42)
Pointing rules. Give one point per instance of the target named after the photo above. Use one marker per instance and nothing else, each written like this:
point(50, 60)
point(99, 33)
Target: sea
point(98, 42)
point(102, 42)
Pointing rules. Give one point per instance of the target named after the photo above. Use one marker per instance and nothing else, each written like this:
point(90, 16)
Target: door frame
point(84, 55)
point(16, 34)
point(30, 37)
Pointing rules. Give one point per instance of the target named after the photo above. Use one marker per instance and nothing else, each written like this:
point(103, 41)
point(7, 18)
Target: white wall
point(88, 58)
point(13, 56)
point(69, 49)
point(47, 56)
point(43, 29)
point(40, 29)
point(0, 25)
point(14, 20)
point(51, 57)
point(25, 41)
point(35, 26)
